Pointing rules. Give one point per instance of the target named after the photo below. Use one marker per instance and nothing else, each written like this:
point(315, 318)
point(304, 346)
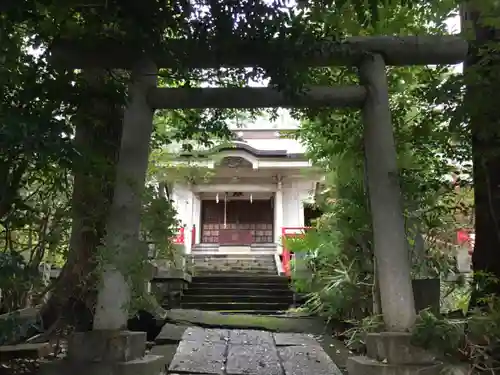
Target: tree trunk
point(97, 138)
point(482, 74)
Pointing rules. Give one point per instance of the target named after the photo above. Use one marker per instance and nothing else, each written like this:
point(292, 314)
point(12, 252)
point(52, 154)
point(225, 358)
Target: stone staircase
point(234, 263)
point(237, 283)
point(205, 248)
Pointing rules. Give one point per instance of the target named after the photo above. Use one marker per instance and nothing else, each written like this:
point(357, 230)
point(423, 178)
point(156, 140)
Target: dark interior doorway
point(311, 212)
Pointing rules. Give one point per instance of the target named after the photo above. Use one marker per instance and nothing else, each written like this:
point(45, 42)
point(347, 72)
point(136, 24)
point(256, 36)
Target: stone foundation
point(168, 283)
point(367, 366)
point(106, 353)
point(391, 353)
point(169, 291)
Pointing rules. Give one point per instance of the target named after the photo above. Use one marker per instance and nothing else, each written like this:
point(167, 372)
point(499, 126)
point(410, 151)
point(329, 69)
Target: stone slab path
point(206, 351)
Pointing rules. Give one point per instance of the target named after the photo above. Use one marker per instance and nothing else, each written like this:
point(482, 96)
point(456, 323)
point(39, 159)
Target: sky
point(453, 24)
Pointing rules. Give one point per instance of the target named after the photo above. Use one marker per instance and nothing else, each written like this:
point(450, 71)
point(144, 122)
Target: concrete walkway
point(249, 352)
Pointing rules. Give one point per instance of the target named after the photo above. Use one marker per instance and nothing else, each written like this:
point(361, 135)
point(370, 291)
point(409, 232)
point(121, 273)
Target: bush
point(19, 282)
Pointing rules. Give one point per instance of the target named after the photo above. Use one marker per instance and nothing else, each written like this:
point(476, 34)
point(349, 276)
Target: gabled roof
point(242, 146)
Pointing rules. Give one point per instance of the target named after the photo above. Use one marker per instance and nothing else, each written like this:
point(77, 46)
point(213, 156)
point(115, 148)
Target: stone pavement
point(249, 352)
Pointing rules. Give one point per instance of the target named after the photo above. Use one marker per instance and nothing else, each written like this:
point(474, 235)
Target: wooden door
point(246, 222)
point(212, 219)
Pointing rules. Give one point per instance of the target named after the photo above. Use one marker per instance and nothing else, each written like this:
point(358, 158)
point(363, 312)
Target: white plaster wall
point(291, 204)
point(305, 190)
point(182, 197)
point(295, 193)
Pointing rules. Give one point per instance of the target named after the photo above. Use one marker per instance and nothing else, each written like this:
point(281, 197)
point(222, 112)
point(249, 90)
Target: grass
point(246, 321)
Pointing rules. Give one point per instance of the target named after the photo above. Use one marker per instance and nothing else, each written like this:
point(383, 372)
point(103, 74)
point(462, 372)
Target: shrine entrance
point(237, 219)
point(368, 56)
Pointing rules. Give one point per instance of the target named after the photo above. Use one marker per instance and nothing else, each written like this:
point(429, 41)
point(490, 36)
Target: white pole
point(225, 210)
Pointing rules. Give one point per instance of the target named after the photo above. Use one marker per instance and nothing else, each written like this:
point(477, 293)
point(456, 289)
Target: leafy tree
point(35, 155)
point(480, 23)
point(424, 137)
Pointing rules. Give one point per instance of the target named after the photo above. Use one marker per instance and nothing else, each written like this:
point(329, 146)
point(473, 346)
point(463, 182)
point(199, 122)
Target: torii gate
point(370, 54)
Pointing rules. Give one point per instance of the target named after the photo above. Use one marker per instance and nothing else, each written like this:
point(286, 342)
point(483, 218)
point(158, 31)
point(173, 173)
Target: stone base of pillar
point(391, 353)
point(106, 353)
point(367, 366)
point(396, 348)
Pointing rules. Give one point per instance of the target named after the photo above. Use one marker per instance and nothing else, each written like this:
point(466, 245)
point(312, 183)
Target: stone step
point(204, 249)
point(222, 250)
point(227, 269)
point(233, 269)
point(232, 279)
point(235, 274)
point(230, 257)
point(252, 312)
point(209, 289)
point(196, 298)
point(216, 251)
point(236, 265)
point(217, 306)
point(257, 289)
point(278, 287)
point(234, 260)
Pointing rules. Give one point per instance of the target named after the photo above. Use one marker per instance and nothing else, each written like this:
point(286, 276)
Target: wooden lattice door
point(246, 222)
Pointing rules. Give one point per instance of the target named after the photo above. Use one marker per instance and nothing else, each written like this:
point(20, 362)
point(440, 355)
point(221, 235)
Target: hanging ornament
point(217, 198)
point(251, 198)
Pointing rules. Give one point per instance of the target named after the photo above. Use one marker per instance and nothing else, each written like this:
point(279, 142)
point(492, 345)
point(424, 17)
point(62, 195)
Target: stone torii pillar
point(390, 351)
point(122, 247)
point(110, 348)
point(389, 234)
